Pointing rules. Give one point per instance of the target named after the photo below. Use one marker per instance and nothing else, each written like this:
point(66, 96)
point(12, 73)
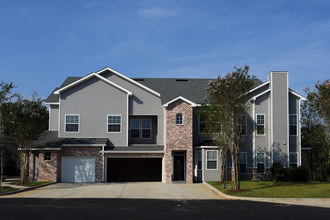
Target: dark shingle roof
point(169, 88)
point(50, 139)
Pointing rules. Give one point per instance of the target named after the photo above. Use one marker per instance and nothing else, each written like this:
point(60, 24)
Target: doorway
point(179, 166)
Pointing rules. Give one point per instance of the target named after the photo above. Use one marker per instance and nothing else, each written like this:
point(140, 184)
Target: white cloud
point(154, 13)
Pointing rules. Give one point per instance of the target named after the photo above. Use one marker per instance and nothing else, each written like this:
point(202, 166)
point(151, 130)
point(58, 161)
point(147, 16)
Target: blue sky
point(43, 42)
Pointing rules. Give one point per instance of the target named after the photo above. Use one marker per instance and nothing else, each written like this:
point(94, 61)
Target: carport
point(134, 169)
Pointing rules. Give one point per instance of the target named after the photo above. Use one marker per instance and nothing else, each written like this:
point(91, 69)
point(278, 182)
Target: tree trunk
point(222, 157)
point(236, 170)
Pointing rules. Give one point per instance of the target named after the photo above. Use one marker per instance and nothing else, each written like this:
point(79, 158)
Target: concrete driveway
point(132, 190)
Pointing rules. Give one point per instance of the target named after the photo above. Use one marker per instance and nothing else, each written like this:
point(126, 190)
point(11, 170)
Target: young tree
point(5, 90)
point(315, 129)
point(25, 120)
point(224, 109)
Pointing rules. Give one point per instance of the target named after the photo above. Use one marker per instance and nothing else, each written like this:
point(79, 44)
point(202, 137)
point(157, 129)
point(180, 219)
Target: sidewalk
point(318, 202)
point(8, 181)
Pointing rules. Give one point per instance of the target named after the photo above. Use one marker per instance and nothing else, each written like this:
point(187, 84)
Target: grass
point(5, 189)
point(270, 189)
point(32, 183)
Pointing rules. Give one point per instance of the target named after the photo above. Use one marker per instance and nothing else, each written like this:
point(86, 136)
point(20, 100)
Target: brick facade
point(50, 170)
point(178, 138)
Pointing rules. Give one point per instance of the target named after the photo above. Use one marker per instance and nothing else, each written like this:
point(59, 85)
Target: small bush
point(280, 173)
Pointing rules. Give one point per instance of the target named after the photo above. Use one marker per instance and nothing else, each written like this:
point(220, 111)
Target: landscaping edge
point(319, 202)
point(25, 189)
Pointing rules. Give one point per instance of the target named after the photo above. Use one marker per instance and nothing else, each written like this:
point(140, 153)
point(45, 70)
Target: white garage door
point(78, 169)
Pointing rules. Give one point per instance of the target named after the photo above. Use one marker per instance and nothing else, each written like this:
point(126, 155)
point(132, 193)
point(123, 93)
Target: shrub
point(279, 173)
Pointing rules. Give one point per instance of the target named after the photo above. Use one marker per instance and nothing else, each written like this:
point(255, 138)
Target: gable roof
point(167, 88)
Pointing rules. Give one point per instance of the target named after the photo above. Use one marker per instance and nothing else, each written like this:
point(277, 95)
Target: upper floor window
point(242, 162)
point(242, 125)
point(211, 160)
point(179, 119)
point(293, 125)
point(114, 123)
point(208, 127)
point(71, 123)
point(260, 162)
point(293, 159)
point(140, 128)
point(260, 124)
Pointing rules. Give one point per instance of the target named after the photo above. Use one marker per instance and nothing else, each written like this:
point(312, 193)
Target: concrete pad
point(132, 190)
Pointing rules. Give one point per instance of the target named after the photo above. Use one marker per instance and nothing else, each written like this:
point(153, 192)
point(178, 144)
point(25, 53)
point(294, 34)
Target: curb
point(317, 202)
point(26, 189)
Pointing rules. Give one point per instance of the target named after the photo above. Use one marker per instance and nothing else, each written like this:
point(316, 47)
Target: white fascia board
point(114, 84)
point(183, 99)
point(90, 76)
point(74, 83)
point(82, 145)
point(296, 94)
point(261, 94)
point(258, 87)
point(129, 79)
point(52, 103)
point(206, 147)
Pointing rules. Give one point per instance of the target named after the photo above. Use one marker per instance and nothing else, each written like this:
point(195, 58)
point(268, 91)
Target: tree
point(315, 129)
point(25, 120)
point(224, 109)
point(5, 90)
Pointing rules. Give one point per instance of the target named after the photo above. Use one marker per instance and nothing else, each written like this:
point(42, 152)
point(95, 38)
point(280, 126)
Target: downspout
point(103, 164)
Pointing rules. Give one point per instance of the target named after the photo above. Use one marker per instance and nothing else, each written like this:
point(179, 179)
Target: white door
point(78, 169)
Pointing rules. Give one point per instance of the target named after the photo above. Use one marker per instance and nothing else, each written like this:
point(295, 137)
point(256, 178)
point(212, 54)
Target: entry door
point(179, 166)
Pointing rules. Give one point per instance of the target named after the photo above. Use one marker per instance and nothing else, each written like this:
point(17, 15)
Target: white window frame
point(264, 162)
point(176, 118)
point(264, 124)
point(243, 163)
point(212, 160)
point(121, 122)
point(296, 125)
point(65, 123)
point(245, 122)
point(290, 158)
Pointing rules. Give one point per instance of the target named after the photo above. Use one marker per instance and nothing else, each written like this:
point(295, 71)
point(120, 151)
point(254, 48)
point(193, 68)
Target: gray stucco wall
point(93, 100)
point(142, 102)
point(53, 117)
point(280, 102)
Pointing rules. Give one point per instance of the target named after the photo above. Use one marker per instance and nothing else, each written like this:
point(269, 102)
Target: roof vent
point(139, 80)
point(181, 80)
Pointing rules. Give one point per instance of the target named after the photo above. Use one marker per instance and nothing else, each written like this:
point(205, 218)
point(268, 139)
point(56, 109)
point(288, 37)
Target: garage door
point(78, 169)
point(134, 169)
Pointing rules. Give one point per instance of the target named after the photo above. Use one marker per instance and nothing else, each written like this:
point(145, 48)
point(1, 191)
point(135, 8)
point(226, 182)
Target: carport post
point(102, 163)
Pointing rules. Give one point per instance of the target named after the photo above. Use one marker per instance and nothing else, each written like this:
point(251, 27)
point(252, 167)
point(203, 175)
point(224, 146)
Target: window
point(146, 128)
point(72, 123)
point(211, 160)
point(260, 162)
point(293, 125)
point(47, 156)
point(293, 159)
point(260, 124)
point(242, 125)
point(114, 123)
point(179, 119)
point(199, 159)
point(242, 162)
point(206, 127)
point(140, 128)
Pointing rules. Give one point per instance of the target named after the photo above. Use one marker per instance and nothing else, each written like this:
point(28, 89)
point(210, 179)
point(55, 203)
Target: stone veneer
point(50, 170)
point(178, 138)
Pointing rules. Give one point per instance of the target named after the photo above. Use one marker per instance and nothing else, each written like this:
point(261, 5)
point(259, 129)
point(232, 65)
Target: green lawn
point(32, 183)
point(5, 189)
point(270, 189)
